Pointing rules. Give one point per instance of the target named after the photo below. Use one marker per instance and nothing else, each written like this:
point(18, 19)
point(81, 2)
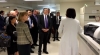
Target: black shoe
point(53, 40)
point(58, 40)
point(32, 51)
point(45, 52)
point(39, 53)
point(36, 45)
point(33, 47)
point(48, 42)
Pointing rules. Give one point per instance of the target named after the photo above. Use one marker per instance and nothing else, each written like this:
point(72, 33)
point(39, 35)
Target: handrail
point(90, 46)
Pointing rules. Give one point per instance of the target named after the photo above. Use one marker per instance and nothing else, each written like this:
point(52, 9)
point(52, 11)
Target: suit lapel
point(43, 20)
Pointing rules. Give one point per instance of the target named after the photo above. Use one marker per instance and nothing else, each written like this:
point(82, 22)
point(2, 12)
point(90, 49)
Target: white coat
point(69, 28)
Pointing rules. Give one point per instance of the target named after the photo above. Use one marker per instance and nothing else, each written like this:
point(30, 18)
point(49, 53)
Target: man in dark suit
point(44, 27)
point(2, 22)
point(56, 23)
point(31, 25)
point(34, 18)
point(51, 17)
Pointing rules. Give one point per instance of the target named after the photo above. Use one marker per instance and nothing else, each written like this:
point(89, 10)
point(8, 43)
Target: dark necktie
point(46, 22)
point(36, 18)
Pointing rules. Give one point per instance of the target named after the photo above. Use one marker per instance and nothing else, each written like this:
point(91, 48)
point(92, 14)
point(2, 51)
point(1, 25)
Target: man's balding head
point(13, 13)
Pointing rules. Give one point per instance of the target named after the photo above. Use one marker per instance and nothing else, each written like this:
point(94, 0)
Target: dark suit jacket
point(51, 17)
point(55, 21)
point(35, 23)
point(42, 24)
point(10, 29)
point(2, 23)
point(27, 22)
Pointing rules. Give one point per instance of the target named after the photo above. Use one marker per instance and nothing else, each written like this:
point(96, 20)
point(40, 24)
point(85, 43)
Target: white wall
point(76, 5)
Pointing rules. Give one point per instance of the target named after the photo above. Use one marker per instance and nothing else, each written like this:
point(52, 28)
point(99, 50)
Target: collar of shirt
point(34, 15)
point(44, 15)
point(28, 18)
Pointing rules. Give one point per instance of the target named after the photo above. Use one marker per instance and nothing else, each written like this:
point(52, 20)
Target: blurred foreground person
point(24, 39)
point(69, 28)
point(2, 22)
point(12, 50)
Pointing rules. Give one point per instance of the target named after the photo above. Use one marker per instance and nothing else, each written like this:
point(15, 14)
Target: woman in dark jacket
point(12, 50)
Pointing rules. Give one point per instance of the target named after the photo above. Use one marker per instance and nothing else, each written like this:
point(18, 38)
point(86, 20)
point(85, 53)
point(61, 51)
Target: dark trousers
point(34, 33)
point(49, 35)
point(24, 49)
point(35, 36)
point(43, 38)
point(56, 34)
point(31, 31)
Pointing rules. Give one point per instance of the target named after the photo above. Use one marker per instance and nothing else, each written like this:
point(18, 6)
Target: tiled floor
point(53, 49)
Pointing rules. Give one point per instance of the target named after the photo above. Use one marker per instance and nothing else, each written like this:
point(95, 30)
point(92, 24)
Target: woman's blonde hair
point(21, 14)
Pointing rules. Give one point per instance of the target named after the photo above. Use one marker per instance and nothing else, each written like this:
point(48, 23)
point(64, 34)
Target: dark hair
point(33, 10)
point(44, 8)
point(28, 10)
point(15, 9)
point(71, 13)
point(1, 11)
point(11, 18)
point(49, 9)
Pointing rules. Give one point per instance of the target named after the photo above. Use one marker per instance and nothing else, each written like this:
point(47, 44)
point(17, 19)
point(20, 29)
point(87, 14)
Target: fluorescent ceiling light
point(43, 5)
point(33, 0)
point(3, 1)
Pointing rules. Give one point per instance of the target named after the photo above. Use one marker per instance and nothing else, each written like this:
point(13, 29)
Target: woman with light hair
point(24, 39)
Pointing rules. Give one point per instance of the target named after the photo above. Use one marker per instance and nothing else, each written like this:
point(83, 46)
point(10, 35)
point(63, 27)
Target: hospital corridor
point(49, 27)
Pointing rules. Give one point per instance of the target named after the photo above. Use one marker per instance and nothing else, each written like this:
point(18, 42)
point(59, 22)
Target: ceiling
point(31, 5)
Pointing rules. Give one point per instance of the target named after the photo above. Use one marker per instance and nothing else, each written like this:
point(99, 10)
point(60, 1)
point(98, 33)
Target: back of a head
point(71, 13)
point(11, 18)
point(15, 9)
point(28, 10)
point(1, 11)
point(13, 13)
point(21, 14)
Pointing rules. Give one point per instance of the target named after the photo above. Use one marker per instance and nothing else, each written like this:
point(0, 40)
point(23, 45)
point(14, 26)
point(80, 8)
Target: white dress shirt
point(31, 24)
point(57, 18)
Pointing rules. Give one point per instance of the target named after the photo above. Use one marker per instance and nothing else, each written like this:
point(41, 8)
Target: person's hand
point(32, 25)
point(47, 30)
point(44, 30)
point(4, 27)
point(31, 44)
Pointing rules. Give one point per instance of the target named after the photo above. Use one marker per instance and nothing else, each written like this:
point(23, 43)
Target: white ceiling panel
point(35, 4)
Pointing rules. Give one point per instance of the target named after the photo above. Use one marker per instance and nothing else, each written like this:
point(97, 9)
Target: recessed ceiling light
point(3, 1)
point(7, 7)
point(33, 0)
